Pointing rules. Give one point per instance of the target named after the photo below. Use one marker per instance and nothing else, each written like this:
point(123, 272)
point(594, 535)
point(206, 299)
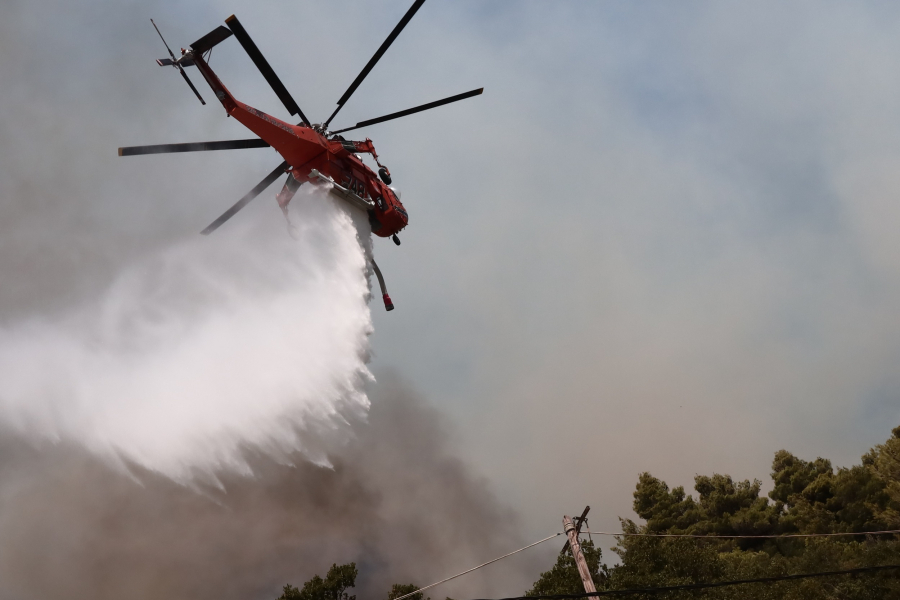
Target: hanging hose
point(388, 304)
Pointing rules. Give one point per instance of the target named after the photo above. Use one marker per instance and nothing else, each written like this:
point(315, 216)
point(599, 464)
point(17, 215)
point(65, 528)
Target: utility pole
point(575, 547)
point(579, 522)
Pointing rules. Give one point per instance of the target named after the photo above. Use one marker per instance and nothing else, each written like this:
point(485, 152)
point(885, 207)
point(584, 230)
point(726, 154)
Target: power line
point(743, 537)
point(667, 535)
point(699, 586)
point(549, 537)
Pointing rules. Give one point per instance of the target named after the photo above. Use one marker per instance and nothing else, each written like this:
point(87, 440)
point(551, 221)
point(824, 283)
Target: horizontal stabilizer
point(193, 147)
point(219, 34)
point(168, 62)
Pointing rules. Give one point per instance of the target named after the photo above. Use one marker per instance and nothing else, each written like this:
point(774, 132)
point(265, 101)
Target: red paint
point(306, 149)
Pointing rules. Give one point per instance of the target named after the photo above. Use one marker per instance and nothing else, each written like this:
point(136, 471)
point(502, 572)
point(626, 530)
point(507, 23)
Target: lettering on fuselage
point(271, 120)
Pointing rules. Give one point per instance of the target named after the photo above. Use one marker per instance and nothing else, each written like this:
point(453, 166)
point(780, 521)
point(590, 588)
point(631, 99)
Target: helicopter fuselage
point(311, 155)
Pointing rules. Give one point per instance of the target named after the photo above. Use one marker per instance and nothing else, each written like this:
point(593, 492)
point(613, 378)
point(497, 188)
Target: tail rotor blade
point(378, 54)
point(263, 65)
point(163, 40)
point(412, 111)
point(175, 64)
point(256, 191)
point(183, 74)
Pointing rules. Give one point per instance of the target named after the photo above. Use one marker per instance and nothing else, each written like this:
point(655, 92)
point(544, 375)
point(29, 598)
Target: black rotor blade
point(411, 111)
point(193, 147)
point(183, 74)
point(387, 44)
point(256, 191)
point(174, 61)
point(263, 65)
point(216, 36)
point(163, 40)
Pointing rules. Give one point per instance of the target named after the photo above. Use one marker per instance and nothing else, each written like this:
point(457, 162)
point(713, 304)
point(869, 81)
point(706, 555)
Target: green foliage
point(563, 578)
point(723, 507)
point(401, 589)
point(807, 497)
point(885, 463)
point(337, 581)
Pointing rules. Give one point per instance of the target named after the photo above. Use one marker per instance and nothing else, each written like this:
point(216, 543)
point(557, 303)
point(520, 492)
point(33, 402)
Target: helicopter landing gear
point(396, 239)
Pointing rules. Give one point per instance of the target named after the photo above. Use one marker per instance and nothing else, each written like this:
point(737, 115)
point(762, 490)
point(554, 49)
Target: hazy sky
point(664, 238)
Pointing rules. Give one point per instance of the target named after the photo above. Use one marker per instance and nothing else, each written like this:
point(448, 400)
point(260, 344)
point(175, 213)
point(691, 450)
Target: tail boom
point(298, 144)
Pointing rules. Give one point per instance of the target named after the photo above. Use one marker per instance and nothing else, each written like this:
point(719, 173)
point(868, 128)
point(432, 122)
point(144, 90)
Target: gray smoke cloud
point(97, 252)
point(396, 500)
point(667, 231)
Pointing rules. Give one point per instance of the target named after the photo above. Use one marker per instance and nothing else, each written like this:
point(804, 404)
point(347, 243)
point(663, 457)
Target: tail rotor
point(174, 62)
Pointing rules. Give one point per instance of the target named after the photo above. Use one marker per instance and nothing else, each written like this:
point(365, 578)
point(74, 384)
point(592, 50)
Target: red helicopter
point(312, 153)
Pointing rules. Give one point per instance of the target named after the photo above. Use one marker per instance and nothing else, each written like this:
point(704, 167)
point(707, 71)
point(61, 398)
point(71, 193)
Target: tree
point(401, 589)
point(334, 586)
point(807, 497)
point(564, 578)
point(885, 463)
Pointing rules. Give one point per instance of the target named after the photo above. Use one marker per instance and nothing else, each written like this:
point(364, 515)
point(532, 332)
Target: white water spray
point(242, 339)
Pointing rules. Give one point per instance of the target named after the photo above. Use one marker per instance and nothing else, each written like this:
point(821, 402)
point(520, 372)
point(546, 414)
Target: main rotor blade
point(411, 111)
point(256, 191)
point(263, 65)
point(193, 147)
point(387, 44)
point(214, 37)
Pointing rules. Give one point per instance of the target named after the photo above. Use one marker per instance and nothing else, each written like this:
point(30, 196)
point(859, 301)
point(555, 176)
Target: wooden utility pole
point(575, 547)
point(579, 522)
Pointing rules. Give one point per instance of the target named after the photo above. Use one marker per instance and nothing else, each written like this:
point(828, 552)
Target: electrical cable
point(745, 537)
point(671, 535)
point(478, 567)
point(700, 586)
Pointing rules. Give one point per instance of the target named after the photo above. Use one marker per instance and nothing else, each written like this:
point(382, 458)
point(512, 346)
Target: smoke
point(201, 429)
point(244, 338)
point(395, 500)
point(188, 417)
